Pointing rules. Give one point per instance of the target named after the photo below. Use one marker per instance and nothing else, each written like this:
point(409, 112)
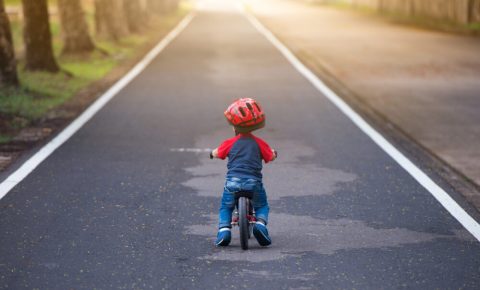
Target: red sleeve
point(225, 147)
point(265, 149)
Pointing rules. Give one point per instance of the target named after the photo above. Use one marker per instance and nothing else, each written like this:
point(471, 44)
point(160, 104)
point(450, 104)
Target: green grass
point(19, 2)
point(474, 27)
point(13, 2)
point(29, 103)
point(5, 139)
point(55, 89)
point(41, 92)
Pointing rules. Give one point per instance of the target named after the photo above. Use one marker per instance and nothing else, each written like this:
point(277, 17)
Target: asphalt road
point(117, 207)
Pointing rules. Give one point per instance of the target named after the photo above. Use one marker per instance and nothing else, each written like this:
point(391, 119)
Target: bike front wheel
point(243, 222)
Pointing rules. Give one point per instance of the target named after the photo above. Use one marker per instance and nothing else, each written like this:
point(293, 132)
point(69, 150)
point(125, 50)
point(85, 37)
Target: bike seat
point(247, 194)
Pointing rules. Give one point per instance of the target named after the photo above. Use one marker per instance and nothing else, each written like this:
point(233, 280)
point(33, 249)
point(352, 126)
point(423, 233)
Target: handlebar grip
point(211, 154)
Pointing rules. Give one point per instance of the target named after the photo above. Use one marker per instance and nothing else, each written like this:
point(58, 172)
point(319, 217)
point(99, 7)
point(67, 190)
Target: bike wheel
point(243, 222)
point(250, 226)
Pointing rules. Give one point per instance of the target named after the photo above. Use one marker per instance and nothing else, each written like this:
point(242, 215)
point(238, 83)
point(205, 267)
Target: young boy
point(245, 153)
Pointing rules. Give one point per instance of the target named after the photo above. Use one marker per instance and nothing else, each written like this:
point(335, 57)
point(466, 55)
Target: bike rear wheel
point(250, 212)
point(243, 222)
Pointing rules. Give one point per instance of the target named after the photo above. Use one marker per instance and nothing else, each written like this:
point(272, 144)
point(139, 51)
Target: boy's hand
point(214, 153)
point(275, 154)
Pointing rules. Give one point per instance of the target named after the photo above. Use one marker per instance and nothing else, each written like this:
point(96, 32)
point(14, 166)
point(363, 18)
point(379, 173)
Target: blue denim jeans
point(232, 185)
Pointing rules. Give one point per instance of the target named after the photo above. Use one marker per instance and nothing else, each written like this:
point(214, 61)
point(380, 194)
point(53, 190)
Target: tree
point(161, 6)
point(134, 14)
point(8, 66)
point(473, 11)
point(110, 20)
point(74, 28)
point(172, 5)
point(37, 37)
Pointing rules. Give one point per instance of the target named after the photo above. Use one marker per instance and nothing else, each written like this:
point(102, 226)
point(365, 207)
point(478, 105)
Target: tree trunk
point(162, 6)
point(173, 5)
point(75, 33)
point(37, 37)
point(154, 6)
point(8, 66)
point(134, 15)
point(110, 20)
point(474, 11)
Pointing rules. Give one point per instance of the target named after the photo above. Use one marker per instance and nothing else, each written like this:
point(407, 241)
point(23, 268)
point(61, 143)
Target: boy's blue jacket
point(245, 153)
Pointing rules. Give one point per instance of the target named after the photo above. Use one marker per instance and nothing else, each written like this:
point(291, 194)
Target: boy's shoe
point(261, 234)
point(224, 237)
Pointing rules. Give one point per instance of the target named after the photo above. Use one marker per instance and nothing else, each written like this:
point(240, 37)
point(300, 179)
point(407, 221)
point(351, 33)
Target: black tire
point(250, 226)
point(243, 222)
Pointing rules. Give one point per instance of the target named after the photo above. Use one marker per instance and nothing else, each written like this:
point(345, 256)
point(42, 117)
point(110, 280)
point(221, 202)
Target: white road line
point(191, 150)
point(63, 136)
point(447, 202)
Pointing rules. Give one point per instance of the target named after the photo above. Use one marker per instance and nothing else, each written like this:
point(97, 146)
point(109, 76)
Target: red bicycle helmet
point(245, 115)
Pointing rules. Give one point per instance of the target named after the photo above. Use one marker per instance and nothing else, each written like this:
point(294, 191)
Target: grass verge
point(41, 92)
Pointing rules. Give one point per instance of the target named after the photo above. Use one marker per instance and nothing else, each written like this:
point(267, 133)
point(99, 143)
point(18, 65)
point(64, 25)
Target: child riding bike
point(245, 153)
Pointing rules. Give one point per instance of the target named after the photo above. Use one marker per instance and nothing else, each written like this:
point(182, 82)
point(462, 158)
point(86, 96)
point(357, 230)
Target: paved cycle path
point(120, 206)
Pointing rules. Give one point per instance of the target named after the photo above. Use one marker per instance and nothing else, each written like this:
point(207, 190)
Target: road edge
point(421, 177)
point(46, 150)
point(466, 190)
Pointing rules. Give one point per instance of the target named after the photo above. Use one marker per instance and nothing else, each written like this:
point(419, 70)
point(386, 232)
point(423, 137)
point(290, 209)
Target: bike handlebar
point(274, 152)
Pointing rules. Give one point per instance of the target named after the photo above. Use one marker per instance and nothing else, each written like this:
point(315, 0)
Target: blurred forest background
point(463, 12)
point(51, 49)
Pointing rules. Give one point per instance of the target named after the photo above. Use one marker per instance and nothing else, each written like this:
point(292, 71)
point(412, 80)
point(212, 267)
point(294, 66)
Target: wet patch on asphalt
point(294, 236)
point(294, 179)
point(290, 175)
